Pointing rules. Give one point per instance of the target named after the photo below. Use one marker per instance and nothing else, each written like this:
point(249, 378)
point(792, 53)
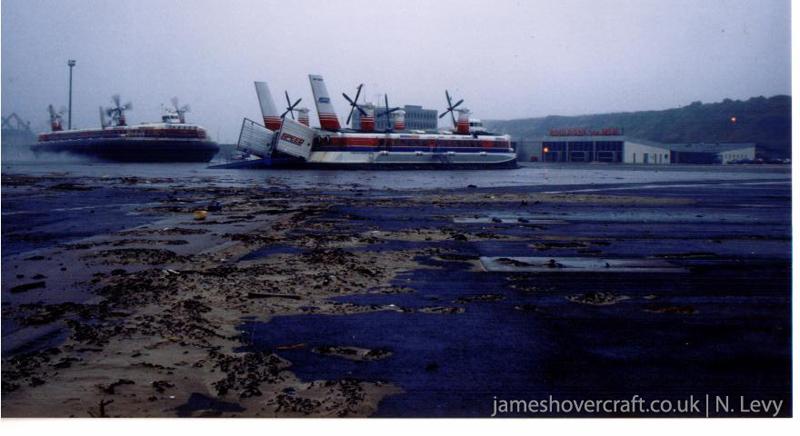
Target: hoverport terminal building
point(612, 146)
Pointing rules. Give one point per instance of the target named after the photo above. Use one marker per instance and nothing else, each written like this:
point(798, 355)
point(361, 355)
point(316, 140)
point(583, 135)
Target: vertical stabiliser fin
point(327, 115)
point(272, 119)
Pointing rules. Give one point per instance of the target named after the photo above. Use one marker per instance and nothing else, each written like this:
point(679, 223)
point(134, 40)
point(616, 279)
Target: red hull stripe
point(272, 123)
point(329, 121)
point(377, 141)
point(329, 125)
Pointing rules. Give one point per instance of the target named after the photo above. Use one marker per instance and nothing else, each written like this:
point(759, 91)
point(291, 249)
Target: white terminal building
point(610, 145)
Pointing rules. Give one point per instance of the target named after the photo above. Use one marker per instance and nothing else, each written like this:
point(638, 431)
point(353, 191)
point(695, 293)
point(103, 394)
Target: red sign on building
point(580, 131)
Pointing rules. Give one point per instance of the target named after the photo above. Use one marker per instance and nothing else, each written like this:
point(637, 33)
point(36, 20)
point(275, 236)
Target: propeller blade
point(358, 91)
point(115, 99)
point(389, 112)
point(386, 111)
point(450, 107)
point(354, 104)
point(174, 101)
point(289, 106)
point(296, 103)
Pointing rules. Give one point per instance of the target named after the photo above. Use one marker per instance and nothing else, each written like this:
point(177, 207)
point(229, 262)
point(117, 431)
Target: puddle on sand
point(446, 363)
point(207, 406)
point(33, 339)
point(640, 215)
point(531, 344)
point(40, 221)
point(579, 264)
point(443, 373)
point(269, 250)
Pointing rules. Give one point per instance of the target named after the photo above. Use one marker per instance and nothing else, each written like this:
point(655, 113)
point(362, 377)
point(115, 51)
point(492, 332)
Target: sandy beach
point(182, 315)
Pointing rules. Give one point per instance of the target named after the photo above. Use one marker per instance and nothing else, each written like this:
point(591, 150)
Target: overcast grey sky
point(507, 59)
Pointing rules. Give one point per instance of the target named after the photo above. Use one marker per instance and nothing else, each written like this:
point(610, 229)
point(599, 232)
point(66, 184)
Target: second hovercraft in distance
point(171, 140)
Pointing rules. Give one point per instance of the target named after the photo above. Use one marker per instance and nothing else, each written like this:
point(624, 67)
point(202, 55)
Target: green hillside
point(765, 121)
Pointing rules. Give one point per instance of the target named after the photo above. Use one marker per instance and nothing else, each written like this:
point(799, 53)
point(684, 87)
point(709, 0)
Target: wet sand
point(227, 315)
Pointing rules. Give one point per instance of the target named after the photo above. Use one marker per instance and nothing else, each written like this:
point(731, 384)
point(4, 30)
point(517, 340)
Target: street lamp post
point(70, 63)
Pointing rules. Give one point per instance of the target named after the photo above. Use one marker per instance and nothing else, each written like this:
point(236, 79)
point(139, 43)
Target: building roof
point(696, 147)
point(646, 142)
point(586, 138)
point(705, 147)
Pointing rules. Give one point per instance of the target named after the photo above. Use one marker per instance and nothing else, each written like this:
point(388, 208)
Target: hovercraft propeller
point(117, 112)
point(451, 107)
point(55, 118)
point(180, 110)
point(386, 112)
point(289, 106)
point(354, 103)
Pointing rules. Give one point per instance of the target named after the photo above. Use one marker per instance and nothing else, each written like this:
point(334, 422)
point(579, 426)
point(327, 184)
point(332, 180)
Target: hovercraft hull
point(133, 149)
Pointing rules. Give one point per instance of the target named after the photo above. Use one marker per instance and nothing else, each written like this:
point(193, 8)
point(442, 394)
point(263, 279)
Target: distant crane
point(20, 124)
point(16, 132)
